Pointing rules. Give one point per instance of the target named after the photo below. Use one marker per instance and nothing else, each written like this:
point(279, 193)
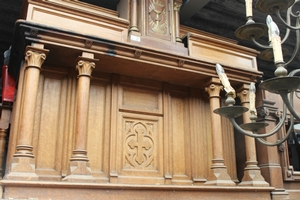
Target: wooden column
point(177, 6)
point(79, 163)
point(252, 175)
point(3, 135)
point(23, 163)
point(4, 125)
point(134, 16)
point(218, 172)
point(269, 157)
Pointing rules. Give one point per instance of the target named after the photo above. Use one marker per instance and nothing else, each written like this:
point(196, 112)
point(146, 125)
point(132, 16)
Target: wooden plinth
point(63, 190)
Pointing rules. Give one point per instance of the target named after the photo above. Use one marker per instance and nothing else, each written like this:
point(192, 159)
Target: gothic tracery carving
point(139, 146)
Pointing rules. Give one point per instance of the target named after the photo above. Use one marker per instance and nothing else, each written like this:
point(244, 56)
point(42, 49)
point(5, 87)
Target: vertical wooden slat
point(61, 125)
point(113, 139)
point(166, 132)
point(200, 137)
point(69, 124)
point(180, 139)
point(96, 130)
point(229, 148)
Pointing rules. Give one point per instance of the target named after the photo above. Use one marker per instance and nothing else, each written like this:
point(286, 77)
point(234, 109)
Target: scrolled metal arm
point(260, 45)
point(284, 96)
point(296, 45)
point(287, 23)
point(278, 142)
point(255, 135)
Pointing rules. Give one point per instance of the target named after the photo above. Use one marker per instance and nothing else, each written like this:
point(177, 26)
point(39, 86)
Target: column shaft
point(252, 175)
point(83, 93)
point(79, 165)
point(23, 164)
point(133, 16)
point(218, 173)
point(177, 6)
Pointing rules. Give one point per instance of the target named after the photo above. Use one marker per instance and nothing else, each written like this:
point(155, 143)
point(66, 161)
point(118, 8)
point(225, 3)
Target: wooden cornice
point(123, 58)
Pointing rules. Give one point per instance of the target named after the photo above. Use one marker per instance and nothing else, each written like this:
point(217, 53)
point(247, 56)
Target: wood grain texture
point(158, 131)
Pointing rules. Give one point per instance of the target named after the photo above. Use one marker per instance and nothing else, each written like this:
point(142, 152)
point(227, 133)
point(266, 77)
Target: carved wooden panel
point(139, 145)
point(158, 18)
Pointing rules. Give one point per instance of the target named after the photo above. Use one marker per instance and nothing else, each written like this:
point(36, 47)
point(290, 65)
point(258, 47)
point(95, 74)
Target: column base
point(280, 194)
point(23, 168)
point(253, 177)
point(80, 172)
point(219, 177)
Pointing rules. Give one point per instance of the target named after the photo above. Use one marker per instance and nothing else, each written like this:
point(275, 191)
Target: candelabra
point(284, 84)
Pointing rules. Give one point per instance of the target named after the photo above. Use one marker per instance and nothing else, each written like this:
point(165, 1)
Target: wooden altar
point(119, 105)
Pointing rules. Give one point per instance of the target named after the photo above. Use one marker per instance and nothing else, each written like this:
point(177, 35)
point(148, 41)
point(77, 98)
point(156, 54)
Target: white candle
point(252, 91)
point(248, 8)
point(224, 80)
point(275, 39)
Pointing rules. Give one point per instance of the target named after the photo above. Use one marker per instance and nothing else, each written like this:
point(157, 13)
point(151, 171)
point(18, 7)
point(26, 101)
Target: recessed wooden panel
point(78, 23)
point(144, 100)
point(69, 126)
point(201, 150)
point(98, 116)
point(140, 150)
point(180, 140)
point(48, 129)
point(223, 52)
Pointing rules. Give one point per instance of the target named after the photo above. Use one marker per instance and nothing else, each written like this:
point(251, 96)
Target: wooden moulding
point(78, 17)
point(58, 190)
point(128, 59)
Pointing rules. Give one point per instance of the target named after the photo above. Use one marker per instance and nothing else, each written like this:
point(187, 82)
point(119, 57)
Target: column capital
point(214, 90)
point(85, 68)
point(86, 64)
point(177, 5)
point(244, 96)
point(243, 93)
point(35, 56)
